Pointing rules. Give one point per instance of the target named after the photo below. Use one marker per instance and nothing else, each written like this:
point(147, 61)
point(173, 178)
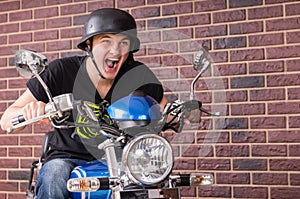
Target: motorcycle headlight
point(148, 159)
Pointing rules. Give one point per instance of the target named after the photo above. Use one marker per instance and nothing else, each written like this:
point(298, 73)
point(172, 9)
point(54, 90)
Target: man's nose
point(115, 49)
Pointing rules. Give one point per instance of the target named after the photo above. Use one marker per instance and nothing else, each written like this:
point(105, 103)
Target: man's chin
point(109, 76)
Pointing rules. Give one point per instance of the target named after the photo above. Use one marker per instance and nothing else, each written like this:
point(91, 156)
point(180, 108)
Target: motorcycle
point(133, 124)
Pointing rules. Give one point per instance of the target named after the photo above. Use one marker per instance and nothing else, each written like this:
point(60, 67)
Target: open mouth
point(111, 62)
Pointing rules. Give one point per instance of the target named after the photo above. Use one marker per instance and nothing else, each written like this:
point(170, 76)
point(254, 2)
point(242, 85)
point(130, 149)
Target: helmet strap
point(89, 50)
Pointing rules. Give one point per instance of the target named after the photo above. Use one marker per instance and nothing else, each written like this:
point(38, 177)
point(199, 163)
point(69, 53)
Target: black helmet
point(110, 20)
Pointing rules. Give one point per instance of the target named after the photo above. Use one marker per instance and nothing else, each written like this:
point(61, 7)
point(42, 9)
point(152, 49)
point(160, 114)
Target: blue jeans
point(53, 177)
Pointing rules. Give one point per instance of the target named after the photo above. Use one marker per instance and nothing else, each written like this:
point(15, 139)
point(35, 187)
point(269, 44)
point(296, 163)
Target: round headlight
point(148, 159)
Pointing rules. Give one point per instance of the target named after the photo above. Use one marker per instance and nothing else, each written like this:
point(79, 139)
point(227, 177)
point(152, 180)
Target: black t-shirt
point(69, 75)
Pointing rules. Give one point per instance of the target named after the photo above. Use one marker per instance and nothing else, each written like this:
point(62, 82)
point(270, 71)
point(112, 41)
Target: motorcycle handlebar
point(18, 119)
point(60, 104)
point(180, 106)
point(49, 108)
point(26, 122)
point(194, 104)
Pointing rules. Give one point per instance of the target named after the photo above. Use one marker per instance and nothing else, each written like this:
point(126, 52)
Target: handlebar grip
point(17, 120)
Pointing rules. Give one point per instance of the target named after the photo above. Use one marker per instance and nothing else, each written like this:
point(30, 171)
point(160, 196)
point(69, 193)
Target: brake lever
point(30, 121)
point(210, 113)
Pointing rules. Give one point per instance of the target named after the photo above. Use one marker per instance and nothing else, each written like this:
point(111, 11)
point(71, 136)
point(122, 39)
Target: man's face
point(110, 52)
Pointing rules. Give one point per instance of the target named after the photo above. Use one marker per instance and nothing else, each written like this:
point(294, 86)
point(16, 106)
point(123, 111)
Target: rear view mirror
point(29, 63)
point(201, 63)
point(202, 60)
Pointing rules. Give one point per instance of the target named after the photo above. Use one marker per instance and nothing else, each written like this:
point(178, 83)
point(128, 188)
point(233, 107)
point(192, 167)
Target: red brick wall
point(252, 150)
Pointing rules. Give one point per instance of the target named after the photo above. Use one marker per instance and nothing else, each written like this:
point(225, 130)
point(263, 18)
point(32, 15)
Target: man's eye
point(125, 43)
point(106, 41)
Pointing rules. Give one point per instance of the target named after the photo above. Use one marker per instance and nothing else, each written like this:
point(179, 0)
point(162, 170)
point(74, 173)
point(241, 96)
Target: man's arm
point(25, 105)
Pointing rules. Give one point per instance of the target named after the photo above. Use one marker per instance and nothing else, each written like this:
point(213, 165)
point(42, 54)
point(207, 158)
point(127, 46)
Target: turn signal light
point(83, 184)
point(201, 179)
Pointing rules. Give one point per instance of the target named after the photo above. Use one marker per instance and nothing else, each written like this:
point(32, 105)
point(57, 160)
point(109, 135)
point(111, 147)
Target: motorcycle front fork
point(112, 164)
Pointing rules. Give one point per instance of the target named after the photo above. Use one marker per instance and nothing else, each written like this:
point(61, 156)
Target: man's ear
point(88, 42)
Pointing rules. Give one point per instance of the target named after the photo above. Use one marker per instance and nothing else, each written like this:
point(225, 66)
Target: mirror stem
point(192, 89)
point(36, 74)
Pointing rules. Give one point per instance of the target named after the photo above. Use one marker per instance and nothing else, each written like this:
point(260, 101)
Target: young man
point(108, 72)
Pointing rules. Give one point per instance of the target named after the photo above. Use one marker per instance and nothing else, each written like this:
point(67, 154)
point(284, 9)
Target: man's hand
point(33, 109)
point(193, 116)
